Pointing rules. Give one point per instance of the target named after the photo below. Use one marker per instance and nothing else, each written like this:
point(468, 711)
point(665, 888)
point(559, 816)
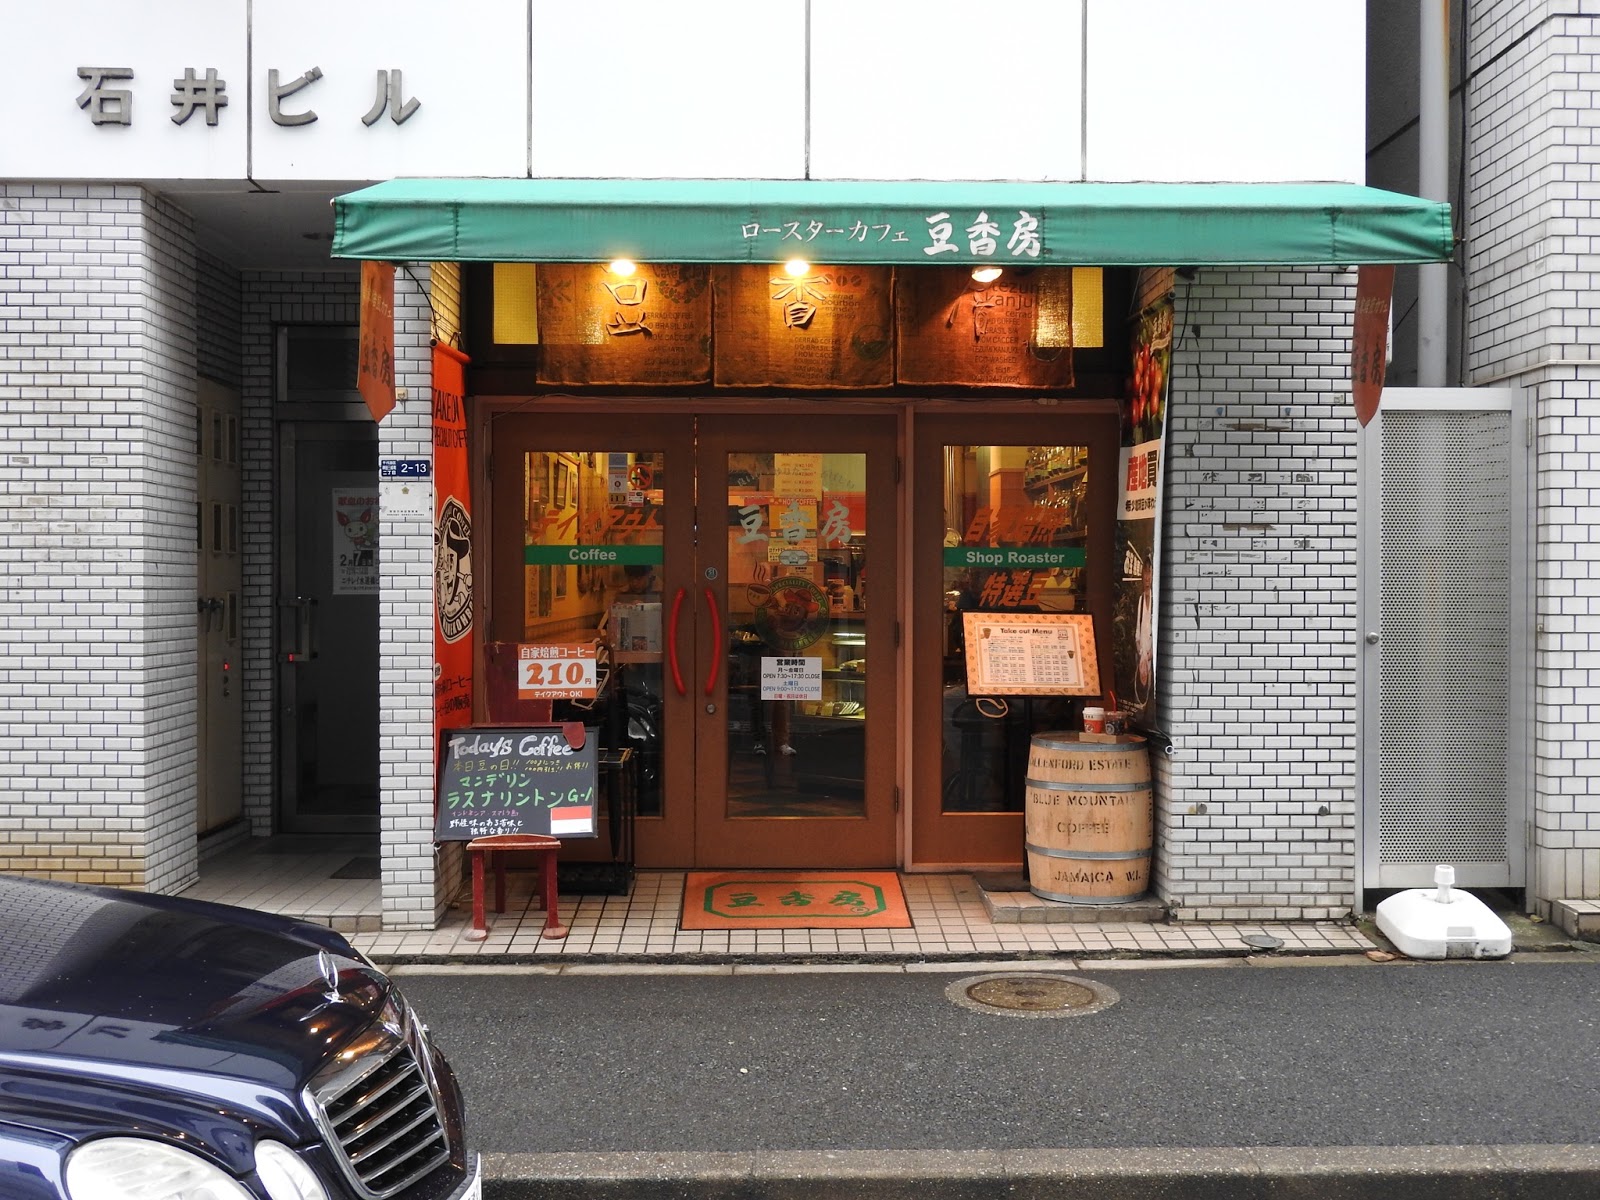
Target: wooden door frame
point(976, 841)
point(867, 841)
point(658, 423)
point(658, 841)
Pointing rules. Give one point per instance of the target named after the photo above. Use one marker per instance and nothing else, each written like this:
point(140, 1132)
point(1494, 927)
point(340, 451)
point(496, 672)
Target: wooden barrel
point(1088, 819)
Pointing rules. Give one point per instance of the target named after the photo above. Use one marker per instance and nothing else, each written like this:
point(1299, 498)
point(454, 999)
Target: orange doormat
point(793, 900)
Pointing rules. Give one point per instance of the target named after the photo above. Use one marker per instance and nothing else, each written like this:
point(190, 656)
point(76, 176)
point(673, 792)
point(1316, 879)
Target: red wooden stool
point(544, 848)
point(506, 708)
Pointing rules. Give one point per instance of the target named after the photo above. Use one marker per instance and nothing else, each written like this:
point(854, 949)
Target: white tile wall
point(414, 892)
point(1533, 282)
point(97, 349)
point(219, 305)
point(1256, 801)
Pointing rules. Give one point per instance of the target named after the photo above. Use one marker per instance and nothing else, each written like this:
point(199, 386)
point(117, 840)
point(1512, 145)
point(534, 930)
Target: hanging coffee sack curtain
point(650, 328)
point(828, 327)
point(1015, 331)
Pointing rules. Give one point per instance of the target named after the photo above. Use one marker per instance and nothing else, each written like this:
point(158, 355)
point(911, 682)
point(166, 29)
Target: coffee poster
point(1139, 510)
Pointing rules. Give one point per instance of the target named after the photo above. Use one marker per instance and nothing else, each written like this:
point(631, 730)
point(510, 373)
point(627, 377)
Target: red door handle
point(716, 641)
point(672, 643)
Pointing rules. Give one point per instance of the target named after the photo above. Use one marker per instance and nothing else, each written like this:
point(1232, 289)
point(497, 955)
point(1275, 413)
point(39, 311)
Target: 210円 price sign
point(557, 670)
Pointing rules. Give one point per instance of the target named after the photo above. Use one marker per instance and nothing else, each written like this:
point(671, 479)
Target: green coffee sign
point(592, 556)
point(1015, 558)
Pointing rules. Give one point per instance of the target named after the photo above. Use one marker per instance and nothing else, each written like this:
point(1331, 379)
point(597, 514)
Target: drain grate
point(1019, 995)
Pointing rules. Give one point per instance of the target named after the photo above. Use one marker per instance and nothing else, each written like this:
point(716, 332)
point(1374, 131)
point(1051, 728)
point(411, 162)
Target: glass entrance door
point(797, 515)
point(723, 563)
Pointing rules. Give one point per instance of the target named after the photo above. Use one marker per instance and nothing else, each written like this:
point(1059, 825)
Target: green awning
point(859, 221)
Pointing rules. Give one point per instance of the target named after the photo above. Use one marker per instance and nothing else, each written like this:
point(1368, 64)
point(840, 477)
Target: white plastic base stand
point(1443, 923)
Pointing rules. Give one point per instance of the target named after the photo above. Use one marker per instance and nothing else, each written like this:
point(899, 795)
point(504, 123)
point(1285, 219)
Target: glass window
point(593, 553)
point(997, 499)
point(797, 654)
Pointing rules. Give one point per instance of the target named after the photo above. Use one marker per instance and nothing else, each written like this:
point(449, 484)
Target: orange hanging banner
point(375, 358)
point(452, 544)
point(1369, 342)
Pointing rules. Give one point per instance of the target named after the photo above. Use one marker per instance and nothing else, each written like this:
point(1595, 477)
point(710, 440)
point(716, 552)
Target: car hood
point(156, 991)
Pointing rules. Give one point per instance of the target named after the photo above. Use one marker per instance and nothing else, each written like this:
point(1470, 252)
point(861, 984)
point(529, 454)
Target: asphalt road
point(1400, 1054)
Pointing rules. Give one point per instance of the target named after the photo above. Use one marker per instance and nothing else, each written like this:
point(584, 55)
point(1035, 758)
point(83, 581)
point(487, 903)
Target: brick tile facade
point(1534, 322)
point(97, 351)
point(1256, 798)
point(108, 312)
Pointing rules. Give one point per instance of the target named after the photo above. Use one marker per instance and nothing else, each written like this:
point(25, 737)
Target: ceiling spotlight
point(986, 274)
point(622, 266)
point(797, 267)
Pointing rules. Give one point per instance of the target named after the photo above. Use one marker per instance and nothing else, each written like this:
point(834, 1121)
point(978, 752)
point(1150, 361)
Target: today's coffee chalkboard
point(516, 780)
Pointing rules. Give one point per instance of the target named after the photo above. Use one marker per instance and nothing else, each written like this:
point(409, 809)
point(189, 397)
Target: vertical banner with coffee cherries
point(375, 339)
point(1133, 620)
point(452, 544)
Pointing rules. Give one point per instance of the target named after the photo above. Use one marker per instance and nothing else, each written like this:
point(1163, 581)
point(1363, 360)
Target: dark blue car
point(154, 1048)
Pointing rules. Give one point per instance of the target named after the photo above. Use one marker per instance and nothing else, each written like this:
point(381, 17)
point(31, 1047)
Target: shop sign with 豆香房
point(650, 327)
point(825, 327)
point(1011, 332)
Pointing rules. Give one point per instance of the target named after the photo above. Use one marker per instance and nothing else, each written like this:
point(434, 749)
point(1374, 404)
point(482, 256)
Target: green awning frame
point(890, 222)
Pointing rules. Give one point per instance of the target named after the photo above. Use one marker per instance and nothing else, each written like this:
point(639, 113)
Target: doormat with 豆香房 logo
point(793, 900)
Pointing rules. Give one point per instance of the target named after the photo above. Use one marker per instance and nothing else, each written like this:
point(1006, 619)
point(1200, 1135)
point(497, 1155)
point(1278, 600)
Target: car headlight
point(285, 1175)
point(125, 1168)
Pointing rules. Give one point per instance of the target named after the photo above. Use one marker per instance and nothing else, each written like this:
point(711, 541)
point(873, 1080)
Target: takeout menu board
point(524, 779)
point(1031, 654)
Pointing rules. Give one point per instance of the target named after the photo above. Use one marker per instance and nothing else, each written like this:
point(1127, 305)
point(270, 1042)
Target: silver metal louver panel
point(1443, 688)
point(380, 1114)
point(1444, 665)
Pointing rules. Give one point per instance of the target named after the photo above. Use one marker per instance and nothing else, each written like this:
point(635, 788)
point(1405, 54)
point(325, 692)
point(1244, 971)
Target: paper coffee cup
point(1094, 720)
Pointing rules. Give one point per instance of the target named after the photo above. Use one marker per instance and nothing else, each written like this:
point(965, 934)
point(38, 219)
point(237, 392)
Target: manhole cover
point(1262, 941)
point(1018, 995)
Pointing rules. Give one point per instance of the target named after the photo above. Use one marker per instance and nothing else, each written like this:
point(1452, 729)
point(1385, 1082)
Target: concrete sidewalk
point(1269, 1076)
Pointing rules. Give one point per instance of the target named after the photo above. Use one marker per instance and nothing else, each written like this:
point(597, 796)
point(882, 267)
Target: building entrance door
point(724, 562)
point(328, 626)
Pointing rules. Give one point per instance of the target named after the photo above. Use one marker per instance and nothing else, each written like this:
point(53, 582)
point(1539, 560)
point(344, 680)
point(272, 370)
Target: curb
point(1192, 1173)
point(1199, 956)
point(870, 958)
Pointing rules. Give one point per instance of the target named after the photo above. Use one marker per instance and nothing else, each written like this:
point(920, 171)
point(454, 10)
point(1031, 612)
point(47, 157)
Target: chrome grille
point(380, 1115)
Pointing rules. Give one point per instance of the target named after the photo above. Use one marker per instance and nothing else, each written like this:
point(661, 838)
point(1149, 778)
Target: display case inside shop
point(828, 734)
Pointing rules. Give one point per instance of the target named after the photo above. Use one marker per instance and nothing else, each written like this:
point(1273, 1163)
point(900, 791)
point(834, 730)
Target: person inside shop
point(634, 716)
point(771, 717)
point(638, 583)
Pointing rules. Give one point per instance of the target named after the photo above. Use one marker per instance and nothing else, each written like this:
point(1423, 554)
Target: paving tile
point(948, 913)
